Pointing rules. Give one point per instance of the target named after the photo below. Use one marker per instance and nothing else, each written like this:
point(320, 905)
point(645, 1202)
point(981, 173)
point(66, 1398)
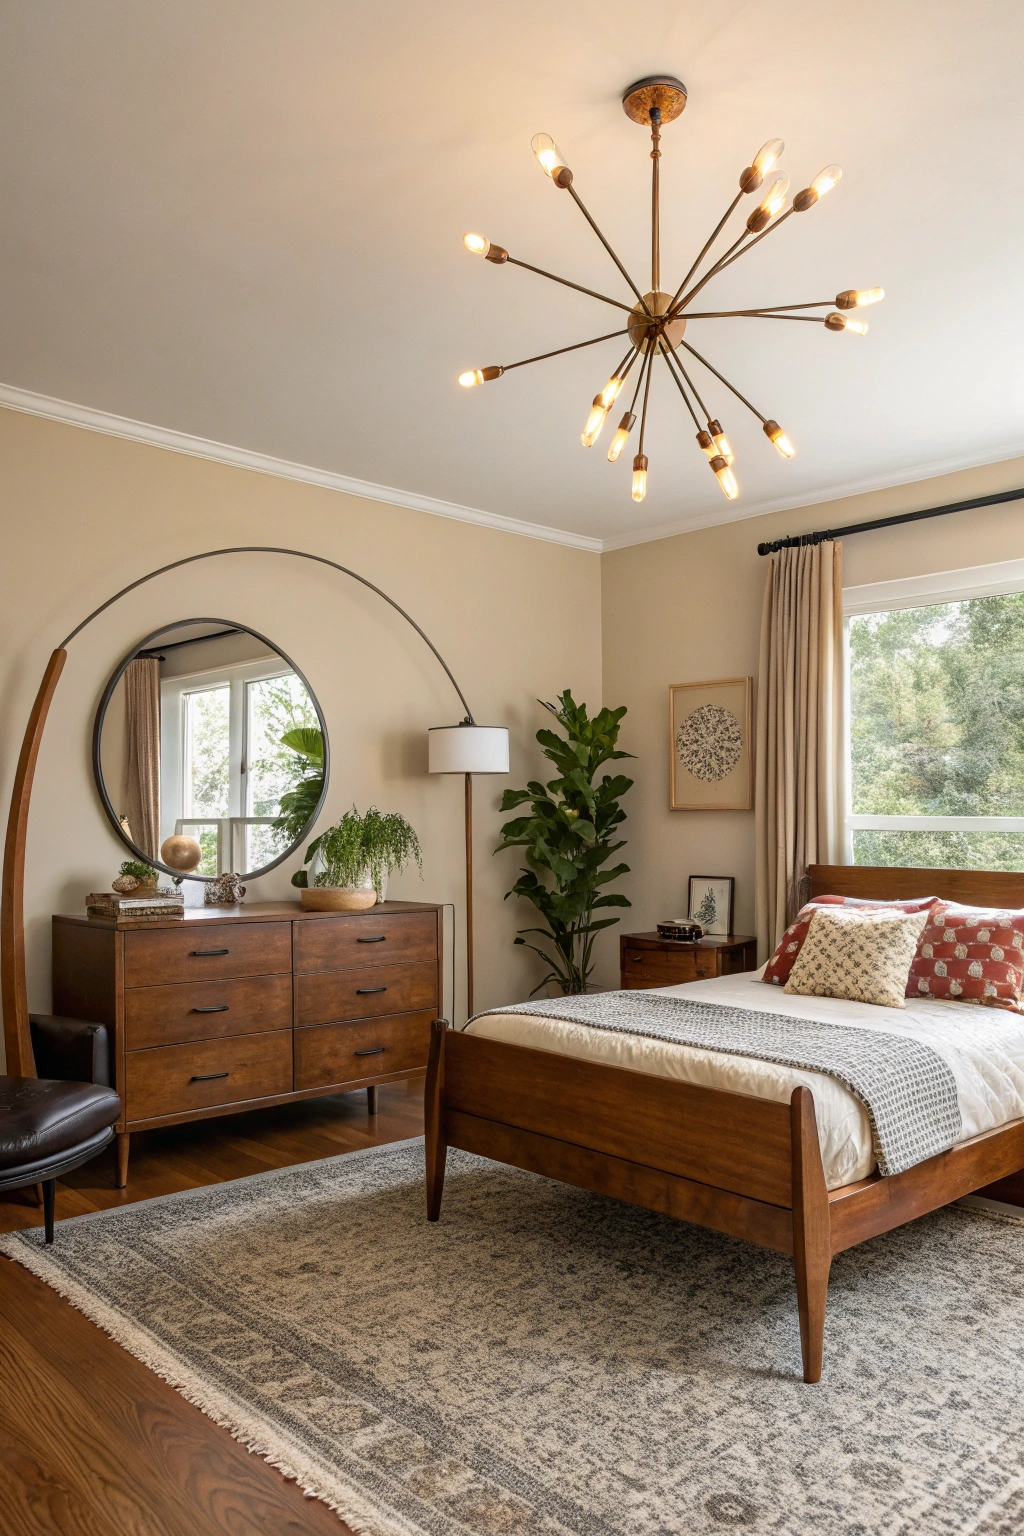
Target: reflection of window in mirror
point(224, 767)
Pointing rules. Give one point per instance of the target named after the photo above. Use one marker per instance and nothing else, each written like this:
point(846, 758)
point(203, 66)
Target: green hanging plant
point(379, 844)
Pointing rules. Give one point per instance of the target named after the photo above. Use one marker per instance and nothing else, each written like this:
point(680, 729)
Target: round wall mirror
point(208, 731)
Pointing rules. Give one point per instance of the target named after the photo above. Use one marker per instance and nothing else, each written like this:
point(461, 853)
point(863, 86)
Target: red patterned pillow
point(776, 972)
point(971, 955)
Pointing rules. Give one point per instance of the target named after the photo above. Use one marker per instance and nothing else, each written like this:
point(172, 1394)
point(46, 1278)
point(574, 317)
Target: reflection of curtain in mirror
point(142, 752)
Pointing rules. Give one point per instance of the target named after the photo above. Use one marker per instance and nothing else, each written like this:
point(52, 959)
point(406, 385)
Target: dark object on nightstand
point(48, 1128)
point(648, 960)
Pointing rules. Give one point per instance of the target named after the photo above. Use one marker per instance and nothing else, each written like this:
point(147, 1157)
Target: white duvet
point(983, 1047)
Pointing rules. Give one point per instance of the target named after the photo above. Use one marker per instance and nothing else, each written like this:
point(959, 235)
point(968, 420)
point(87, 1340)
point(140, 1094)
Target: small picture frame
point(711, 903)
point(709, 745)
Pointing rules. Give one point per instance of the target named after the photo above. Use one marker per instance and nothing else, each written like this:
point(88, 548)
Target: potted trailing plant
point(353, 859)
point(569, 836)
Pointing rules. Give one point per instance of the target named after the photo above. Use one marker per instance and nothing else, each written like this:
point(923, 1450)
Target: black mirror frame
point(97, 734)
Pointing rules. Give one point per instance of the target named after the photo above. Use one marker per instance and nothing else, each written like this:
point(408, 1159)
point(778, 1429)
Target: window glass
point(937, 729)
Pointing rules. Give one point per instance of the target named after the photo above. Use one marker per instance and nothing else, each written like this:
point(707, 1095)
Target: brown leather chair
point(48, 1128)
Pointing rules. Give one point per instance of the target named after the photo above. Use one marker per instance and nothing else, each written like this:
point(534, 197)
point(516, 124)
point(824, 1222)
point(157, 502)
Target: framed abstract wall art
point(709, 746)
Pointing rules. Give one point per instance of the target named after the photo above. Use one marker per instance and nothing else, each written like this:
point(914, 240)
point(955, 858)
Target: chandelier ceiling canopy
point(656, 322)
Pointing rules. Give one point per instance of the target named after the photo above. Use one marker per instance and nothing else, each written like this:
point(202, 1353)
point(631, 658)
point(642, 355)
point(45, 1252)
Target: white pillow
point(861, 955)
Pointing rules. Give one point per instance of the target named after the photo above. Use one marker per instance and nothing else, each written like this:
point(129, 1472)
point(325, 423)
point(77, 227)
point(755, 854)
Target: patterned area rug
point(546, 1362)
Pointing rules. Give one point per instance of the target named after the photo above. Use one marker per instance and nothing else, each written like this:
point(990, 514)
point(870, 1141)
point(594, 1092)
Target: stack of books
point(110, 904)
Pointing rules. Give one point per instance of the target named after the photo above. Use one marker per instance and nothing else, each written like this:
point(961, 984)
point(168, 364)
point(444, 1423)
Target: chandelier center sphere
point(644, 327)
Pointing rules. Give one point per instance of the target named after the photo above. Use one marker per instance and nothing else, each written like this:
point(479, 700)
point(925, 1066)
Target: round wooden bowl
point(330, 898)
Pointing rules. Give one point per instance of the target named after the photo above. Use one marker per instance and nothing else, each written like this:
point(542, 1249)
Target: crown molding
point(73, 415)
point(821, 498)
point(92, 420)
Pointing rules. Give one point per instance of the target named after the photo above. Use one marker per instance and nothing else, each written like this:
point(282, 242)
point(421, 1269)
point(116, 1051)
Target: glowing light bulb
point(856, 298)
point(771, 204)
point(838, 322)
point(768, 156)
point(549, 156)
point(476, 244)
point(622, 432)
point(479, 376)
point(725, 477)
point(640, 477)
point(721, 441)
point(595, 421)
point(706, 443)
point(774, 432)
point(826, 180)
point(610, 393)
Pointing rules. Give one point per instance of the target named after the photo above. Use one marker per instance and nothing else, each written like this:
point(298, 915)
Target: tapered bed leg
point(812, 1239)
point(436, 1146)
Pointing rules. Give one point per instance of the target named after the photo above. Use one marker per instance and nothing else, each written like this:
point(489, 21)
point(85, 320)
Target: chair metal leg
point(49, 1195)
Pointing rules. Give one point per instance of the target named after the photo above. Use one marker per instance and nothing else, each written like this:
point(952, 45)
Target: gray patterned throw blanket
point(907, 1089)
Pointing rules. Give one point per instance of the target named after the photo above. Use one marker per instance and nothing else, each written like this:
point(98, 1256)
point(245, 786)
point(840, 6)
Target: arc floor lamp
point(13, 987)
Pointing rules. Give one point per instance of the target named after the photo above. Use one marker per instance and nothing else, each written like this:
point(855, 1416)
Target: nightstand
point(648, 960)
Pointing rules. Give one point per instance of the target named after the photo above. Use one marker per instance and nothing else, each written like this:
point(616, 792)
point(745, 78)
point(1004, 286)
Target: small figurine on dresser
point(225, 891)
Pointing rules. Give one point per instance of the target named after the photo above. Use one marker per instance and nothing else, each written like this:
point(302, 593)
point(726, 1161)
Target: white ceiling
point(241, 219)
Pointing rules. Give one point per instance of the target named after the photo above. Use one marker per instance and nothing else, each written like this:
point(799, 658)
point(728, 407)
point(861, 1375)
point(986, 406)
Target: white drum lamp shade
point(467, 749)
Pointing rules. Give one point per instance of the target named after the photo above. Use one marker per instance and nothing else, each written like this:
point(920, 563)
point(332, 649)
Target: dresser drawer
point(338, 943)
point(653, 968)
point(343, 1053)
point(201, 952)
point(206, 1010)
point(174, 1079)
point(328, 996)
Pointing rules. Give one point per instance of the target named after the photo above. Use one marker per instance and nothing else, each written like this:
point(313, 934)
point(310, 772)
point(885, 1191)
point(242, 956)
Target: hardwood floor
point(91, 1442)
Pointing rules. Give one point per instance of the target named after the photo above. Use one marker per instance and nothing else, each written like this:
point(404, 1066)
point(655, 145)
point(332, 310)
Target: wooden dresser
point(237, 1008)
point(648, 960)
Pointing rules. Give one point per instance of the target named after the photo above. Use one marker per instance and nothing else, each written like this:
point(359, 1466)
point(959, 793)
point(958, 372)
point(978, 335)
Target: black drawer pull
point(361, 991)
point(211, 951)
point(637, 959)
point(374, 1051)
point(217, 1008)
point(207, 1077)
point(379, 939)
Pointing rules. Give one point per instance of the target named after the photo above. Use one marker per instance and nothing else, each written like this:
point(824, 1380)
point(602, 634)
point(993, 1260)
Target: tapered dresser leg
point(49, 1197)
point(812, 1240)
point(371, 1100)
point(436, 1146)
point(123, 1142)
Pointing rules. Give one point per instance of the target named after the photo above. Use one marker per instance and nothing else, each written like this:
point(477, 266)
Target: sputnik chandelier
point(657, 320)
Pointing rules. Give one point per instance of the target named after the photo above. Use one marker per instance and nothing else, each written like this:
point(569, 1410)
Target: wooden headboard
point(974, 887)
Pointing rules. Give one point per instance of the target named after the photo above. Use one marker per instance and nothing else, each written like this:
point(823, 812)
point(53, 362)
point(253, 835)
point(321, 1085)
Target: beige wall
point(688, 608)
point(515, 618)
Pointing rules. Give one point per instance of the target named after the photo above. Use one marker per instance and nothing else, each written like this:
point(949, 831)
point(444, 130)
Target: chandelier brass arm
point(658, 320)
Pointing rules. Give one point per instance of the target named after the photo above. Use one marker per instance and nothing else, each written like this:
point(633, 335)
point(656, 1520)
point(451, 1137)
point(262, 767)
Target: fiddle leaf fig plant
point(300, 802)
point(568, 837)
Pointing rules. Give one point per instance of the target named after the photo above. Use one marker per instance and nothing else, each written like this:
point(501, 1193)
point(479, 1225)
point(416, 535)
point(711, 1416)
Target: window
point(936, 728)
point(224, 767)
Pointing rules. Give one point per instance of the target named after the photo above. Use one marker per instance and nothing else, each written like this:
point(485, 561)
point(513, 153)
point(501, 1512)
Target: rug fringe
point(250, 1428)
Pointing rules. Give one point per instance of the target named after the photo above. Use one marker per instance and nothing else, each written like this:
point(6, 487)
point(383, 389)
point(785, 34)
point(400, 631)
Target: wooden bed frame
point(738, 1164)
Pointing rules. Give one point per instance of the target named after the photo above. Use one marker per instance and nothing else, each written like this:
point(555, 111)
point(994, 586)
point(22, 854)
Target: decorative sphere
point(181, 853)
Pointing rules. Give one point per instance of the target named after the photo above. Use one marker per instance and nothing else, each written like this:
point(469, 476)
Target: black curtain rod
point(795, 541)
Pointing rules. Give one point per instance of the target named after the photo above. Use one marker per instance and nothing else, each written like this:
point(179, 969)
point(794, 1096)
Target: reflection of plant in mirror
point(376, 845)
point(279, 708)
point(299, 802)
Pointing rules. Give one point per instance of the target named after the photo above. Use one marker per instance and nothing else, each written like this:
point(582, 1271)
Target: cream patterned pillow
point(864, 956)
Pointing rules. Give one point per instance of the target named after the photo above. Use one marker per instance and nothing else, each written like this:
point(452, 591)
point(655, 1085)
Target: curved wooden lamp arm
point(13, 990)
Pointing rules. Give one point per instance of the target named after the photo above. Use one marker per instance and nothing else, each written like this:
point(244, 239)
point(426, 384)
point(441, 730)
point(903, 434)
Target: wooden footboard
point(741, 1165)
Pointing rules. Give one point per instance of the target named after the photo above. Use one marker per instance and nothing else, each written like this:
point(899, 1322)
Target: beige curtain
point(142, 752)
point(799, 769)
